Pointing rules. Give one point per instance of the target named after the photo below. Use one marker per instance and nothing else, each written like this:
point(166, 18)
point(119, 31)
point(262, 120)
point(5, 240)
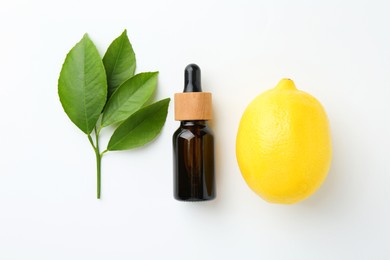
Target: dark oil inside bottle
point(193, 152)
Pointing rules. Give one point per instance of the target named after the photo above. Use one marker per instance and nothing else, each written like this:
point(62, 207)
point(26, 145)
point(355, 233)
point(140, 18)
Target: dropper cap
point(193, 104)
point(192, 79)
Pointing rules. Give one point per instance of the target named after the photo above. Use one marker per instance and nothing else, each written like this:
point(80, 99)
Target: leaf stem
point(91, 141)
point(99, 129)
point(98, 163)
point(98, 172)
point(97, 138)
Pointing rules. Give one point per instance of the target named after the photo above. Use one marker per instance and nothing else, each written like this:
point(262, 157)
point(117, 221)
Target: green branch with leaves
point(96, 93)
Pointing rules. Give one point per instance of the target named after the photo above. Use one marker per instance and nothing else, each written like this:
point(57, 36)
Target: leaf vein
point(117, 57)
point(132, 130)
point(84, 87)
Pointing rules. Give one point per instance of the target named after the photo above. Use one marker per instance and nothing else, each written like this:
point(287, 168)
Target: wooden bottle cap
point(193, 106)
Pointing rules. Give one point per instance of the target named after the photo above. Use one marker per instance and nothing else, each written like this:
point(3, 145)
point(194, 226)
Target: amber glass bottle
point(193, 142)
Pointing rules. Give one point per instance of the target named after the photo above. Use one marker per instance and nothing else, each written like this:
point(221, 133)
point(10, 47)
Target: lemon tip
point(287, 84)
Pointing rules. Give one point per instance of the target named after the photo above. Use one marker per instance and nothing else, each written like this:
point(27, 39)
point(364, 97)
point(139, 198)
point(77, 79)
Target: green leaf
point(119, 62)
point(141, 127)
point(129, 97)
point(82, 85)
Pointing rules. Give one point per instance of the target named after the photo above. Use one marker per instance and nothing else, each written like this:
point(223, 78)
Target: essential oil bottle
point(193, 141)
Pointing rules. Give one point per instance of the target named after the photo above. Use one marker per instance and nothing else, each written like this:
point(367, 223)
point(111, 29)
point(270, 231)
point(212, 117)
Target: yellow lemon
point(283, 144)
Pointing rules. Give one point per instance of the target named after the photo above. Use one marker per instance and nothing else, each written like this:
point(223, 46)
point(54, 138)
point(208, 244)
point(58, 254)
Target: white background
point(337, 51)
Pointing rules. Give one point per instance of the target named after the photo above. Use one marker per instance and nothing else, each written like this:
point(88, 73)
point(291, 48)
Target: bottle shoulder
point(208, 130)
point(192, 131)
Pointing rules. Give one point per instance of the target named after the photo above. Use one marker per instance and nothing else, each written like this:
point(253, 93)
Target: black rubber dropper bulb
point(193, 141)
point(192, 79)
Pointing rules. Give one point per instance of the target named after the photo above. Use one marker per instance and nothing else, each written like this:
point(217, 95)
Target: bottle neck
point(193, 122)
